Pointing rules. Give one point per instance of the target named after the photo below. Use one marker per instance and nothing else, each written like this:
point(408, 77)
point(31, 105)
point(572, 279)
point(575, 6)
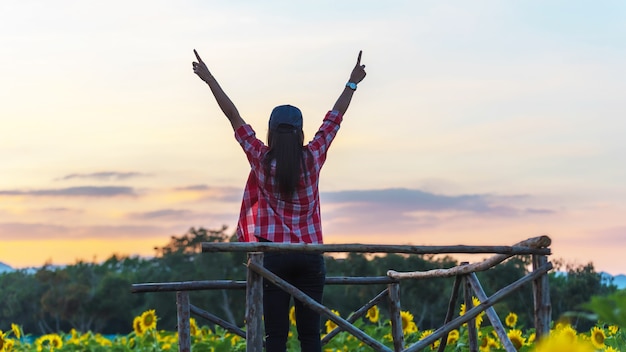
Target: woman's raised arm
point(356, 76)
point(224, 102)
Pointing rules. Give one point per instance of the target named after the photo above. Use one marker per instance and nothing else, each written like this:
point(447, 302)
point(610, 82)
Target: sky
point(479, 123)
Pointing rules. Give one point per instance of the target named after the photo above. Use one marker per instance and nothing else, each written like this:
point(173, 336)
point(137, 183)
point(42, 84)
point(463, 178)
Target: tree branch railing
point(465, 277)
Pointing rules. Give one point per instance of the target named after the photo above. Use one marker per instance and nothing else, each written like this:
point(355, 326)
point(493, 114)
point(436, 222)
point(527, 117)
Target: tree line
point(96, 296)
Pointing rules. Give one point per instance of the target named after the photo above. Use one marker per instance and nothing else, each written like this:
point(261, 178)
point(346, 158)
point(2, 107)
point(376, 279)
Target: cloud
point(193, 188)
point(25, 231)
point(163, 213)
point(223, 194)
point(61, 210)
point(84, 191)
point(203, 192)
point(42, 231)
point(104, 176)
point(415, 200)
point(185, 216)
point(375, 211)
point(538, 211)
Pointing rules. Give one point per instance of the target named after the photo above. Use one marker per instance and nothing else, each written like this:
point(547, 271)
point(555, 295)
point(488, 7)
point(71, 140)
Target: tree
point(19, 300)
point(97, 296)
point(569, 291)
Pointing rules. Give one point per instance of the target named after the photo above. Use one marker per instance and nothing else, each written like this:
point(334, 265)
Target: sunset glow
point(478, 123)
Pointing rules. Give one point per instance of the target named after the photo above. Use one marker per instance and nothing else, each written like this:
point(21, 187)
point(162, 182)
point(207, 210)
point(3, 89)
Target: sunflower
point(8, 345)
point(74, 338)
point(493, 344)
point(479, 318)
point(487, 343)
point(234, 340)
point(193, 327)
point(613, 329)
point(516, 338)
point(292, 315)
point(103, 341)
point(511, 320)
point(3, 340)
point(453, 337)
point(148, 320)
point(56, 341)
point(17, 332)
point(560, 342)
point(408, 325)
point(49, 342)
point(205, 331)
point(610, 349)
point(561, 323)
point(373, 314)
point(137, 326)
point(330, 325)
point(427, 333)
point(567, 332)
point(597, 337)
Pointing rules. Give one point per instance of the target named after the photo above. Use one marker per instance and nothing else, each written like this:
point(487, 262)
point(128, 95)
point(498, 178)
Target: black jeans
point(307, 272)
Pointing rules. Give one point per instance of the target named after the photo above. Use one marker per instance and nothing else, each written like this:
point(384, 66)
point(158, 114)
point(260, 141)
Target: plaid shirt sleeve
point(252, 146)
point(254, 149)
point(325, 135)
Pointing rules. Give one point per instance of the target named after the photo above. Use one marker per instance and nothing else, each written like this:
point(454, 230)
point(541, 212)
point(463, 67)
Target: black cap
point(285, 114)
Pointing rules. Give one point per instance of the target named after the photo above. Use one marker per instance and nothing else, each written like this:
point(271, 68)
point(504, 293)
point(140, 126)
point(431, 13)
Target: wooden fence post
point(472, 333)
point(451, 306)
point(491, 314)
point(254, 306)
point(541, 294)
point(183, 315)
point(396, 321)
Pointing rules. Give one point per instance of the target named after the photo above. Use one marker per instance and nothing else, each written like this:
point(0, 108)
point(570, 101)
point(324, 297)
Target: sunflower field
point(145, 336)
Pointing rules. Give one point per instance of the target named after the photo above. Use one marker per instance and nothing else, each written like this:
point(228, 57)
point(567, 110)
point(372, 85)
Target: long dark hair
point(285, 143)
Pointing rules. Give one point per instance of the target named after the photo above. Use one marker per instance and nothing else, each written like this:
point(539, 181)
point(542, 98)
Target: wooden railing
point(465, 277)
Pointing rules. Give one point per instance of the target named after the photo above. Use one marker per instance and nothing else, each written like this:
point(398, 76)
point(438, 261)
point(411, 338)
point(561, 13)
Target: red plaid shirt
point(263, 213)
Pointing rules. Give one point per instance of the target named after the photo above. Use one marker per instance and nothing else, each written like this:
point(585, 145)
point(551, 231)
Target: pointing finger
point(358, 60)
point(197, 56)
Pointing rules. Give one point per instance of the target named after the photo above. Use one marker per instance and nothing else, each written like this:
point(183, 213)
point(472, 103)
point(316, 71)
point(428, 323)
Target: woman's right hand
point(358, 72)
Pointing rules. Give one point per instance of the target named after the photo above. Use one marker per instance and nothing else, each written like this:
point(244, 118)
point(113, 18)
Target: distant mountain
point(5, 268)
point(618, 280)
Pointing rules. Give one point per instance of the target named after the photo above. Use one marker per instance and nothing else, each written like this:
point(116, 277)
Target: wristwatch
point(351, 85)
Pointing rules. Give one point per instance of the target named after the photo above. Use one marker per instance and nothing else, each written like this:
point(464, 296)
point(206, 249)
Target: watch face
point(351, 85)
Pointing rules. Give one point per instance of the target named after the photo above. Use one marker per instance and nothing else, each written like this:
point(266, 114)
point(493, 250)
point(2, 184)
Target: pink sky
point(477, 123)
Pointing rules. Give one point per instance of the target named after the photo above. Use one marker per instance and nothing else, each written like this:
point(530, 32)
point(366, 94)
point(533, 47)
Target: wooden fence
point(465, 278)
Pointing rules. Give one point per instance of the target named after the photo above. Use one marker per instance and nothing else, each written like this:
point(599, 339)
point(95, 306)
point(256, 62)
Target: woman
point(281, 204)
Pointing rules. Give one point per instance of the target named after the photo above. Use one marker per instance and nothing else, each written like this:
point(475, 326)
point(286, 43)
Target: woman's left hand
point(200, 68)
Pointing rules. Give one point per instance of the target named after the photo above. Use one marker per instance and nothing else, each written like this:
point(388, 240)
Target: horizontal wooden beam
point(366, 248)
point(187, 286)
point(232, 328)
point(241, 285)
